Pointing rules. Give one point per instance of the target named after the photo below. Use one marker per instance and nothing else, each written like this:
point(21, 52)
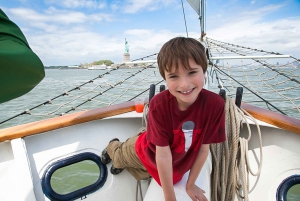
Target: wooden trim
point(64, 121)
point(273, 118)
point(279, 120)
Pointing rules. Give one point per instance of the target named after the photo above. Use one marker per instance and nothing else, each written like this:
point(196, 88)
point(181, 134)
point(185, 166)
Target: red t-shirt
point(204, 121)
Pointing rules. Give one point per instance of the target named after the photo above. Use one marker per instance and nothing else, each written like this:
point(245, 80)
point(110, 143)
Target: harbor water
point(57, 82)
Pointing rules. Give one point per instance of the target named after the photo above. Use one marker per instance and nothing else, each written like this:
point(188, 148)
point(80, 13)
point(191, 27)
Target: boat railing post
point(222, 93)
point(162, 88)
point(238, 96)
point(151, 91)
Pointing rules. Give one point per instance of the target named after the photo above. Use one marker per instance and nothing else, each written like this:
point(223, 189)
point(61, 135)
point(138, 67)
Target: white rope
point(231, 166)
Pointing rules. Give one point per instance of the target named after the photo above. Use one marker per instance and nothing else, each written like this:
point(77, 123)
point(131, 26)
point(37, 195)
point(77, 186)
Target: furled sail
point(195, 4)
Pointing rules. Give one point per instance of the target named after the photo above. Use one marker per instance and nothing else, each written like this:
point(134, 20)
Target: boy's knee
point(112, 147)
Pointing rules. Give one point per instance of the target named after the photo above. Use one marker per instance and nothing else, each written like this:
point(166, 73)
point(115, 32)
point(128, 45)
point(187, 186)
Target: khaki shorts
point(123, 155)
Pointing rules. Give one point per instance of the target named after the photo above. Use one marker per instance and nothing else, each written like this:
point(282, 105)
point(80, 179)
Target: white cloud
point(64, 16)
point(139, 32)
point(61, 37)
point(29, 14)
point(53, 19)
point(279, 36)
point(133, 6)
point(67, 47)
point(78, 3)
point(65, 37)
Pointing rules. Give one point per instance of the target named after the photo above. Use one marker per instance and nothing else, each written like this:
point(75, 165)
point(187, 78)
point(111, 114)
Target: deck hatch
point(54, 194)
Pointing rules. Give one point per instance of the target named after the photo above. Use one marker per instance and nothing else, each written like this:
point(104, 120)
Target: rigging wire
point(266, 101)
point(265, 65)
point(267, 76)
point(187, 35)
point(213, 45)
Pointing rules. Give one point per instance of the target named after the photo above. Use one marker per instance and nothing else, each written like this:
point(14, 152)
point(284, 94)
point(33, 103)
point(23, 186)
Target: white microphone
point(188, 128)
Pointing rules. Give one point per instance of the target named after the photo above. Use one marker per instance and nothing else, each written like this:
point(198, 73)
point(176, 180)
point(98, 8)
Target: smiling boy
point(182, 122)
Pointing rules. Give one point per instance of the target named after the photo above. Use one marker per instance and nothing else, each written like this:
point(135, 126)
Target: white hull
point(24, 160)
point(280, 160)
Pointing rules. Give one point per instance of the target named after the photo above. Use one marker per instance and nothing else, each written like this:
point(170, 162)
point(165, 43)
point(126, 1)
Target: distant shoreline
point(68, 68)
point(64, 68)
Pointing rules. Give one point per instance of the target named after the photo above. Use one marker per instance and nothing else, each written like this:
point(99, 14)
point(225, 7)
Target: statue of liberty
point(126, 46)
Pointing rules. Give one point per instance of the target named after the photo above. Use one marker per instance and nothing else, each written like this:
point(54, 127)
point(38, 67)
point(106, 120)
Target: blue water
point(56, 82)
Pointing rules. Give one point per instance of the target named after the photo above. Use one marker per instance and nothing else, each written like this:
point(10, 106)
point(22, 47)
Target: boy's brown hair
point(178, 51)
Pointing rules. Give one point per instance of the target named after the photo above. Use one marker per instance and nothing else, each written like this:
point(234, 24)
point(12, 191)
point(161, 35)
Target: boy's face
point(184, 84)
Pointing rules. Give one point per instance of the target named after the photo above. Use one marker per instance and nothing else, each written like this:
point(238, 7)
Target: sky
point(73, 32)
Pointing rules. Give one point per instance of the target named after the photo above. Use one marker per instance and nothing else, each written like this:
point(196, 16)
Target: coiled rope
point(231, 167)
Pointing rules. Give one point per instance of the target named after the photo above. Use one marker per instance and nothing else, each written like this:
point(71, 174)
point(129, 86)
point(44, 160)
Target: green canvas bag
point(20, 68)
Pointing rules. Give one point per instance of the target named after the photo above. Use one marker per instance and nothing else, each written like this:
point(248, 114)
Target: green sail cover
point(20, 68)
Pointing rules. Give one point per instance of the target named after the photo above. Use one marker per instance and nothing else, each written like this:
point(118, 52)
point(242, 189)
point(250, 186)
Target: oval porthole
point(74, 177)
point(293, 193)
point(289, 189)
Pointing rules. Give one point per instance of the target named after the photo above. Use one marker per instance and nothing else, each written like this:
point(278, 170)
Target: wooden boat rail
point(273, 118)
point(279, 120)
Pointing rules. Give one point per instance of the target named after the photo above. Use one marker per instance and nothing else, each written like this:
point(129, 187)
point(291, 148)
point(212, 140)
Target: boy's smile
point(185, 84)
point(187, 92)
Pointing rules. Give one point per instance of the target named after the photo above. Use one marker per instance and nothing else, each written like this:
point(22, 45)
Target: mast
point(199, 7)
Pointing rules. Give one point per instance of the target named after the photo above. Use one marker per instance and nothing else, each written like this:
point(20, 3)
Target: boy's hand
point(196, 193)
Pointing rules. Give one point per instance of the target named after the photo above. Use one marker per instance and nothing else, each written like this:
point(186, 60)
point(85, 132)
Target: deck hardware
point(162, 88)
point(238, 97)
point(151, 92)
point(222, 93)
